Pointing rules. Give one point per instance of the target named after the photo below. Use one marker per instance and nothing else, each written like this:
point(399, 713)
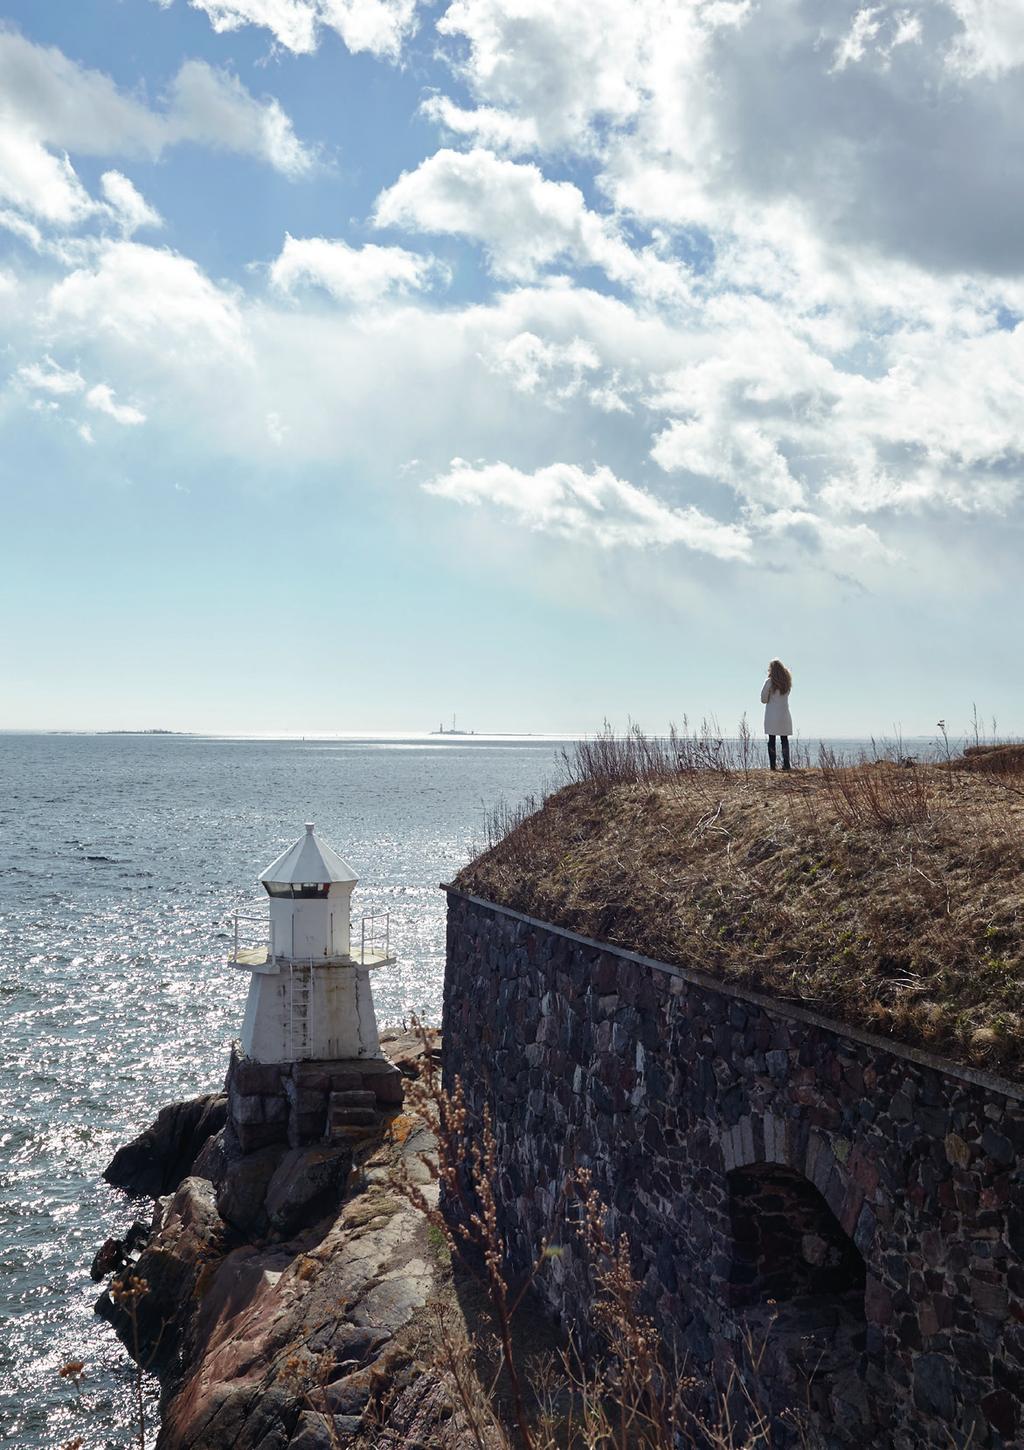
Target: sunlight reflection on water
point(121, 860)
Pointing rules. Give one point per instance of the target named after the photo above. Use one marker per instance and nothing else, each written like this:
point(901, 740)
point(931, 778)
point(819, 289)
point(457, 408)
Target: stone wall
point(301, 1103)
point(745, 1145)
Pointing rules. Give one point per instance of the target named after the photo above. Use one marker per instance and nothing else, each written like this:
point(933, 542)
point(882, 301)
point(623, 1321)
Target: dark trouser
point(785, 751)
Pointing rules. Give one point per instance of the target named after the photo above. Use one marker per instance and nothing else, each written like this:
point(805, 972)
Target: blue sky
point(366, 360)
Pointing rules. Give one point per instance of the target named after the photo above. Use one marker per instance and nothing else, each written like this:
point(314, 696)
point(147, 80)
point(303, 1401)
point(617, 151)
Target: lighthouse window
point(304, 892)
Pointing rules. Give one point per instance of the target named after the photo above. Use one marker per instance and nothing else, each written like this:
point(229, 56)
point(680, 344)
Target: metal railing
point(374, 936)
point(374, 939)
point(264, 923)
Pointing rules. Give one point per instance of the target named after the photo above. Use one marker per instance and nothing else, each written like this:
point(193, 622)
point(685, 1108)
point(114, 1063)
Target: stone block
point(933, 1387)
point(777, 1063)
point(246, 1109)
point(275, 1110)
point(382, 1078)
point(306, 1128)
point(311, 1075)
point(306, 1099)
point(251, 1077)
point(357, 1098)
point(352, 1117)
point(991, 1299)
point(254, 1136)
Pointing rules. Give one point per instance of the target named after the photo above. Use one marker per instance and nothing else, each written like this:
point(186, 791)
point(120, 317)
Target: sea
point(123, 859)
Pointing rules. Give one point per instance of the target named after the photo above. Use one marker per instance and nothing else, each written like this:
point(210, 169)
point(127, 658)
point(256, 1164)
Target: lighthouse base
point(300, 1103)
point(310, 1012)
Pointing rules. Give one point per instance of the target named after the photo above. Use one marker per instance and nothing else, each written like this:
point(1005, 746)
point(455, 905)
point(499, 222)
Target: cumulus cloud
point(358, 275)
point(50, 101)
point(377, 26)
point(525, 222)
point(810, 338)
point(101, 398)
point(487, 126)
point(992, 40)
point(589, 506)
point(551, 71)
point(49, 377)
point(35, 181)
point(58, 384)
point(130, 208)
point(213, 108)
point(144, 296)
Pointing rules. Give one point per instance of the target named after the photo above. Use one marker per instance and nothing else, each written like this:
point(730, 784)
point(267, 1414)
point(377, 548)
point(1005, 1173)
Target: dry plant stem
point(467, 1170)
point(631, 1393)
point(128, 1292)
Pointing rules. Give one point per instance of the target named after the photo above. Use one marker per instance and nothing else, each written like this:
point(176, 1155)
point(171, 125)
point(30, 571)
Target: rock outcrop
point(157, 1160)
point(283, 1295)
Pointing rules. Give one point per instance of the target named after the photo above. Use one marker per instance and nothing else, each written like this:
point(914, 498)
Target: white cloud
point(56, 382)
point(149, 296)
point(484, 125)
point(992, 41)
point(130, 208)
point(39, 183)
point(595, 507)
point(357, 275)
point(876, 31)
point(525, 222)
point(49, 377)
point(732, 452)
point(559, 371)
point(554, 69)
point(101, 398)
point(213, 108)
point(48, 100)
point(377, 26)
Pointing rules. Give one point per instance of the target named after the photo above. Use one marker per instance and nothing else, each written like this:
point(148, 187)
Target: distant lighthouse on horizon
point(309, 993)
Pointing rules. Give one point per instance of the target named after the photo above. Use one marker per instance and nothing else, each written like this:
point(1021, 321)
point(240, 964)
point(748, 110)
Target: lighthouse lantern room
point(309, 993)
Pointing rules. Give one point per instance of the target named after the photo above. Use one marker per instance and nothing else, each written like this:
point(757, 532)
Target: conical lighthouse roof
point(310, 861)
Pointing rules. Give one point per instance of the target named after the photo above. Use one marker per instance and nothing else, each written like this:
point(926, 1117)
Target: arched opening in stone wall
point(797, 1283)
point(788, 1245)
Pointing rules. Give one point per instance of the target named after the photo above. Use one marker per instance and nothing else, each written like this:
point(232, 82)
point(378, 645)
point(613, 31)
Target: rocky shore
point(286, 1293)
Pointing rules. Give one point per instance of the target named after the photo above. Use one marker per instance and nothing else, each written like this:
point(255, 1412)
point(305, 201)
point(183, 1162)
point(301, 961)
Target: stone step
point(353, 1117)
point(354, 1098)
point(352, 1135)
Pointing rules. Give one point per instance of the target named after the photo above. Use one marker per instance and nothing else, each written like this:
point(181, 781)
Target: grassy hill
point(886, 895)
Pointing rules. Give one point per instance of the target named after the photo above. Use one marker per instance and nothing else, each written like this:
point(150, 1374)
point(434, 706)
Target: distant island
point(142, 732)
point(443, 730)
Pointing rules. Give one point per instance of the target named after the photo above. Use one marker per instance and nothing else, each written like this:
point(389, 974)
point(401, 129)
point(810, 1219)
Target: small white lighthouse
point(309, 996)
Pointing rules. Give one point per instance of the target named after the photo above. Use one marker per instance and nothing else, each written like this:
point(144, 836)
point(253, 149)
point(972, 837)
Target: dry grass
point(885, 895)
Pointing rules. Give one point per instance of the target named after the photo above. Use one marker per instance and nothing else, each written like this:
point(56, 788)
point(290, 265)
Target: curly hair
point(780, 677)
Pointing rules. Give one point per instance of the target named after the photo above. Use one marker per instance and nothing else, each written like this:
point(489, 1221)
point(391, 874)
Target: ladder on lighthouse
point(300, 1009)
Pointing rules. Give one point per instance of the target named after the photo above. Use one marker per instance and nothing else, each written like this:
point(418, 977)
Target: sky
point(366, 361)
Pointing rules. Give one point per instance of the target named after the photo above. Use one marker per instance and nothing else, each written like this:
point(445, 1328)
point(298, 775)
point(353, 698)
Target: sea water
point(122, 861)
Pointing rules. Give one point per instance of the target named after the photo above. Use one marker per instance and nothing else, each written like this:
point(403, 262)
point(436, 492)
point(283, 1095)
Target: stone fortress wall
point(860, 1202)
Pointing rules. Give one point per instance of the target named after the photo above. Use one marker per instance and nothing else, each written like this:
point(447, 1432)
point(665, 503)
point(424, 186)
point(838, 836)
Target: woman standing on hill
point(777, 719)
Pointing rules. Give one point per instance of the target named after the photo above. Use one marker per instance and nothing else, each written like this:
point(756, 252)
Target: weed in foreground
point(626, 1389)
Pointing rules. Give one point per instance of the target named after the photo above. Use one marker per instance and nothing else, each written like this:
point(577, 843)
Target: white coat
point(777, 719)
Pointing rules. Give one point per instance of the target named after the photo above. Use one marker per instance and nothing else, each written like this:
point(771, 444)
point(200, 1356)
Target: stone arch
point(840, 1172)
point(788, 1245)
